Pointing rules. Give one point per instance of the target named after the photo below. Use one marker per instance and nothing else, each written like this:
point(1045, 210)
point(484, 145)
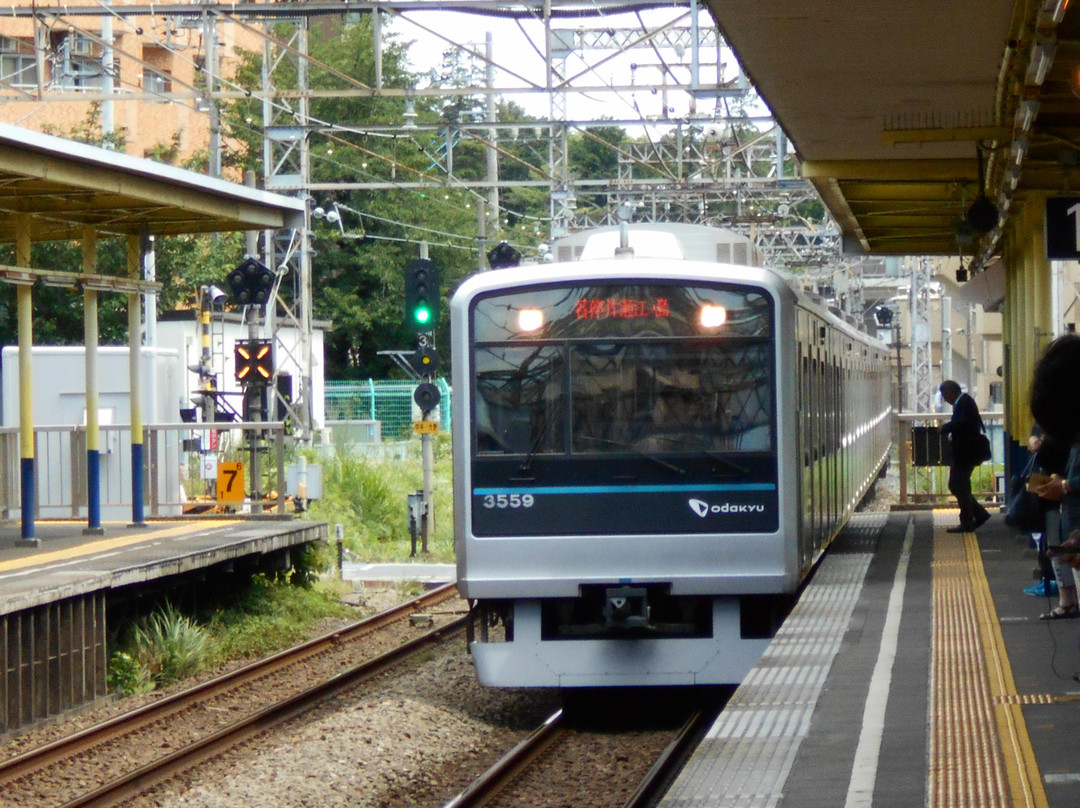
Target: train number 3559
point(503, 501)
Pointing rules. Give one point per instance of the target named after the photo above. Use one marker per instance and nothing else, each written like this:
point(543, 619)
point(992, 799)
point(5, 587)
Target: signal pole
point(252, 285)
point(422, 316)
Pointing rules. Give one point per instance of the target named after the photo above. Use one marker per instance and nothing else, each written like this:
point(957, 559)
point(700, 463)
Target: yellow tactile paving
point(103, 545)
point(980, 753)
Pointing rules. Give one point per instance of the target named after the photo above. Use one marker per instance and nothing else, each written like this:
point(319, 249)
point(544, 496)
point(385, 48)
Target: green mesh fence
point(389, 402)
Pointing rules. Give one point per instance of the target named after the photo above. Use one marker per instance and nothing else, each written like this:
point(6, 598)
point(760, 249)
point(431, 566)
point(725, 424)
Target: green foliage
point(359, 273)
point(365, 496)
point(88, 131)
point(272, 613)
point(126, 676)
point(314, 559)
point(169, 646)
point(369, 497)
point(185, 263)
point(166, 152)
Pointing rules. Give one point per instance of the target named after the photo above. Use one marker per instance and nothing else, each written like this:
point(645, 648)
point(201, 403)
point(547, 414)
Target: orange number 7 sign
point(230, 482)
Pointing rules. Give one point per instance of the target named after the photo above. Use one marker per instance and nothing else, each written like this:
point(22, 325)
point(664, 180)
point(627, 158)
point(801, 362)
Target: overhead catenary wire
point(182, 51)
point(217, 76)
point(333, 71)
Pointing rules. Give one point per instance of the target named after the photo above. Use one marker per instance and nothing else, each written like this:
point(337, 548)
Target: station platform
point(914, 671)
point(67, 563)
point(56, 598)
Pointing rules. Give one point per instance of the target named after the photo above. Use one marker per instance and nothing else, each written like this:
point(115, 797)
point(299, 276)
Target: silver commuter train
point(650, 454)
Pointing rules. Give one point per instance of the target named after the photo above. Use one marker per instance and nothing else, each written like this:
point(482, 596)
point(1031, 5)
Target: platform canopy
point(66, 186)
point(885, 102)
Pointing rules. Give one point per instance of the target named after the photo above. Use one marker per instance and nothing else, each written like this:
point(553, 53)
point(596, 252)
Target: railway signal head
point(254, 361)
point(251, 283)
point(427, 397)
point(503, 255)
point(425, 361)
point(421, 296)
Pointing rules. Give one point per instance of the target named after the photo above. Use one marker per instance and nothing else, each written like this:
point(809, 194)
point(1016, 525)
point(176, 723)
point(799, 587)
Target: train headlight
point(712, 316)
point(530, 320)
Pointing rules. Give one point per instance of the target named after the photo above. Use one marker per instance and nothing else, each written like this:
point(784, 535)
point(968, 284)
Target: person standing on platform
point(1055, 391)
point(963, 428)
point(1057, 576)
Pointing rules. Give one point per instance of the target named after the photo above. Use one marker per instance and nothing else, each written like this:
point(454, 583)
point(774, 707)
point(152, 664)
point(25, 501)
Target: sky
point(518, 48)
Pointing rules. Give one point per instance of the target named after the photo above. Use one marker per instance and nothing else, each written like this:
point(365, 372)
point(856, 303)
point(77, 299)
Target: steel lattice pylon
point(922, 386)
point(698, 171)
point(287, 167)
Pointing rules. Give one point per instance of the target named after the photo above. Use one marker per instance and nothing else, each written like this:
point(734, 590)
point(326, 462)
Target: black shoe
point(958, 529)
point(981, 520)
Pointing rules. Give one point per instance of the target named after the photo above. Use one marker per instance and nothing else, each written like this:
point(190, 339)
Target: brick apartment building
point(54, 76)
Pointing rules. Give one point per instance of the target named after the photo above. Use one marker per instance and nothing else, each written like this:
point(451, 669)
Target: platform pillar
point(26, 396)
point(134, 263)
point(93, 428)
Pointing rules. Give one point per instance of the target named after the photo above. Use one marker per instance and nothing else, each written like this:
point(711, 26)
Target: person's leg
point(972, 511)
point(1067, 603)
point(960, 487)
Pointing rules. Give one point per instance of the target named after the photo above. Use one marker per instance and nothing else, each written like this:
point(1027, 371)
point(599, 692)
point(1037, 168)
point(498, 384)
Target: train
point(651, 451)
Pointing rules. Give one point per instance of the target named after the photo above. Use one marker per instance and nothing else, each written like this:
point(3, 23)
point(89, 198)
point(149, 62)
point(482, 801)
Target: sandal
point(1062, 613)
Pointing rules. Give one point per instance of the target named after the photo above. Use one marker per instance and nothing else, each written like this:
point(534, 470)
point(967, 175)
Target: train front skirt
point(530, 661)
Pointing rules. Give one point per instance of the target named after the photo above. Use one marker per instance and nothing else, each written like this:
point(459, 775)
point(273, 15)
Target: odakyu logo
point(703, 509)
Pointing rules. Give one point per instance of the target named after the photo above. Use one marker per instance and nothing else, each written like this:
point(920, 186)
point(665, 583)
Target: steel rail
point(488, 784)
point(129, 785)
point(71, 745)
point(670, 760)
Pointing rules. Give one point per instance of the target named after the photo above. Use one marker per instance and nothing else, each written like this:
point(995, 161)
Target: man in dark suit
point(964, 426)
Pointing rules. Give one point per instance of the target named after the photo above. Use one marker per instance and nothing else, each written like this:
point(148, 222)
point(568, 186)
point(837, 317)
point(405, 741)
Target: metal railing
point(175, 469)
point(923, 466)
point(174, 476)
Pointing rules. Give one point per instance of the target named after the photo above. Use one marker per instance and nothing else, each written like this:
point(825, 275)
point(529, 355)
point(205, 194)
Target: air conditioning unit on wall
point(80, 45)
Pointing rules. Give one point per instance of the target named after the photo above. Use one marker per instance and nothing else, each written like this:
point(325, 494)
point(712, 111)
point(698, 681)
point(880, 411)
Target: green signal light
point(421, 281)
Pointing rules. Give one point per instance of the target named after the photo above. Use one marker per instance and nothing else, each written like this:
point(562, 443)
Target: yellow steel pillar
point(25, 298)
point(1041, 293)
point(1008, 338)
point(1014, 317)
point(1028, 317)
point(134, 267)
point(93, 429)
point(1008, 333)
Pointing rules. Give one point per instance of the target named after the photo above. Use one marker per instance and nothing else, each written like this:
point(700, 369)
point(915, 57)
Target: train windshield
point(602, 370)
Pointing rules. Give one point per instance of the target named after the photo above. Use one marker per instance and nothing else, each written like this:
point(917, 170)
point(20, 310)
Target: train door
point(820, 411)
point(832, 408)
point(804, 430)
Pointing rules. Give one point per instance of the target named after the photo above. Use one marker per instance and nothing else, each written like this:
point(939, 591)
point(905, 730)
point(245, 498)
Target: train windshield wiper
point(651, 457)
point(541, 434)
point(735, 468)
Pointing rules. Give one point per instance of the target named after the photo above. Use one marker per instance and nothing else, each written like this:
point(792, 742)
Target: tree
point(358, 269)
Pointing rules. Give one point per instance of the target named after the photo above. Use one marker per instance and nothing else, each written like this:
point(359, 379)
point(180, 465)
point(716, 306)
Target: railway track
point(102, 756)
point(537, 766)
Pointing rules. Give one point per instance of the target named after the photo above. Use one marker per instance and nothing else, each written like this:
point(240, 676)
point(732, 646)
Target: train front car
point(620, 515)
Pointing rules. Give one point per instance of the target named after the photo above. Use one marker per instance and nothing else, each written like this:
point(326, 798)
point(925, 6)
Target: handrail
point(169, 461)
point(928, 485)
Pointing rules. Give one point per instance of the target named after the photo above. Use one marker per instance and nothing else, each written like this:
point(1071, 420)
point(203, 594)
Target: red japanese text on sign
point(621, 308)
